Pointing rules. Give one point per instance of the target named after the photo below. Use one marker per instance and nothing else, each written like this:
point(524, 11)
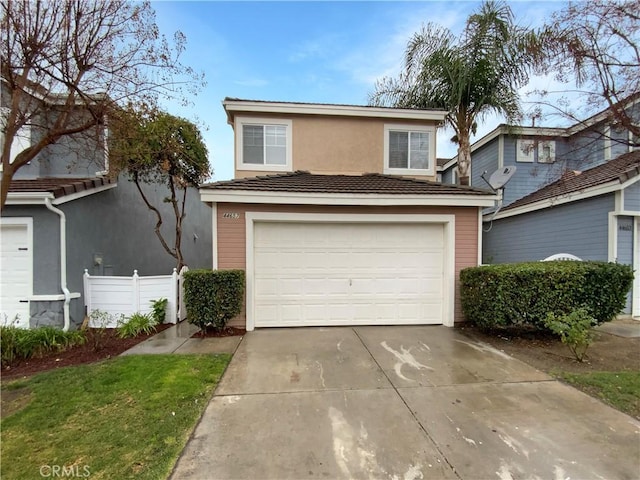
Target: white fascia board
point(250, 196)
point(603, 189)
point(83, 193)
point(232, 106)
point(28, 198)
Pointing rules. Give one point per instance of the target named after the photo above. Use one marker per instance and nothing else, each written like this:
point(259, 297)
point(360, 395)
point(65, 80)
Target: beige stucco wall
point(337, 145)
point(232, 234)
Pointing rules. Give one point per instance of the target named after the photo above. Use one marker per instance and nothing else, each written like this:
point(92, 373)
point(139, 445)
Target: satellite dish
point(500, 177)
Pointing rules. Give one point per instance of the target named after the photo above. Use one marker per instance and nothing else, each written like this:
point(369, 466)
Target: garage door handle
point(23, 249)
point(24, 301)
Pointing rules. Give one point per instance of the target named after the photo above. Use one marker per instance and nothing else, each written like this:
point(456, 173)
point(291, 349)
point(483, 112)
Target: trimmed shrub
point(213, 297)
point(522, 294)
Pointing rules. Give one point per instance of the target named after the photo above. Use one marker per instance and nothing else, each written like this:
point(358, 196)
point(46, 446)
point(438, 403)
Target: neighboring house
point(64, 215)
point(575, 191)
point(336, 218)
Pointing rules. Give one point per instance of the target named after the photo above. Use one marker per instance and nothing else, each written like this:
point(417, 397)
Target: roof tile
point(369, 183)
point(622, 168)
point(59, 187)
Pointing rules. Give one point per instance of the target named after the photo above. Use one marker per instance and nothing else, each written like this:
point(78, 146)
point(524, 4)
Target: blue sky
point(327, 52)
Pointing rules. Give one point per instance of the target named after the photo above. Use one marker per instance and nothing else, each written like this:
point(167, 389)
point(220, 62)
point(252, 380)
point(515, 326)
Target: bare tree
point(152, 146)
point(66, 64)
point(596, 45)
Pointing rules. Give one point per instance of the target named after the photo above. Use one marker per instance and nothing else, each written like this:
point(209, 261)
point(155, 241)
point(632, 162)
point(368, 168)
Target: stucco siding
point(232, 233)
point(579, 228)
point(338, 145)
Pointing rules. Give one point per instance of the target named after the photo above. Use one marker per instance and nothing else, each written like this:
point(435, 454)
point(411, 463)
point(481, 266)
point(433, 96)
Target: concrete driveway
point(400, 403)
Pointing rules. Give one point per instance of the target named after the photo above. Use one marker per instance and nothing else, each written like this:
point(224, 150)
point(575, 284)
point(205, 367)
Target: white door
point(15, 271)
point(348, 274)
point(635, 307)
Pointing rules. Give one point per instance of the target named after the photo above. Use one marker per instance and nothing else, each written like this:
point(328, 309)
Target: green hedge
point(522, 294)
point(213, 297)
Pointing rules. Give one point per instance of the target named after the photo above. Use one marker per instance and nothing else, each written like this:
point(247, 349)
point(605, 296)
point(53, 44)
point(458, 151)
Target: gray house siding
point(632, 197)
point(579, 228)
point(625, 248)
point(116, 224)
point(447, 175)
point(484, 159)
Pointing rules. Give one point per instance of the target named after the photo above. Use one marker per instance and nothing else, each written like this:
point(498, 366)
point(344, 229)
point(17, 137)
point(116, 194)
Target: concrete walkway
point(399, 403)
point(177, 339)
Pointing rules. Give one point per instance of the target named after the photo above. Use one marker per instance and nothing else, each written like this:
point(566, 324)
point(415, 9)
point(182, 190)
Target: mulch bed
point(225, 332)
point(110, 346)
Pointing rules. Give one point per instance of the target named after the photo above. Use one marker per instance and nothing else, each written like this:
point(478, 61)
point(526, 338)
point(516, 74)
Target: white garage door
point(15, 272)
point(348, 274)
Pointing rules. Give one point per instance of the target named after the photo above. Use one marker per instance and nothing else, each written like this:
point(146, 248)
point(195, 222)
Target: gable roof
point(366, 184)
point(36, 190)
point(302, 187)
point(617, 171)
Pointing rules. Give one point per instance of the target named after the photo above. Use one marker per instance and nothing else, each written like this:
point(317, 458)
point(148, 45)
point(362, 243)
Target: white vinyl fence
point(129, 295)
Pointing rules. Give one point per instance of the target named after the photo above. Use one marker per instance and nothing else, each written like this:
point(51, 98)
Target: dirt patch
point(544, 351)
point(110, 346)
point(225, 332)
point(13, 400)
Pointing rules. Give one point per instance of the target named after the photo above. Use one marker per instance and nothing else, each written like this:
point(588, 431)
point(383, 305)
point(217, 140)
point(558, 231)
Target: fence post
point(87, 292)
point(182, 310)
point(136, 292)
point(173, 304)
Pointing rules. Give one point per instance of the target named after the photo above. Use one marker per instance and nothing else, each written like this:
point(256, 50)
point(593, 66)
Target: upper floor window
point(22, 139)
point(263, 144)
point(546, 151)
point(525, 149)
point(409, 149)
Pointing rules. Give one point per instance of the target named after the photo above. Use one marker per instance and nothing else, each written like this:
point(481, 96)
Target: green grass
point(621, 390)
point(129, 417)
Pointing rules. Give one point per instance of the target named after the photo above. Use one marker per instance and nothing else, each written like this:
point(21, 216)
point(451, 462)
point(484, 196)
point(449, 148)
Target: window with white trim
point(525, 149)
point(546, 151)
point(409, 149)
point(22, 139)
point(263, 144)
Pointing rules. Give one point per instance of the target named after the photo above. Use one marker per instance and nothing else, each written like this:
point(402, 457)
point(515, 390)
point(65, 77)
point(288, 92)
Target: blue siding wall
point(586, 149)
point(529, 177)
point(485, 158)
point(625, 248)
point(632, 197)
point(580, 228)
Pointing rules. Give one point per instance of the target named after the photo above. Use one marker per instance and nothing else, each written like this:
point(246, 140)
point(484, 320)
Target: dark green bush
point(213, 297)
point(522, 294)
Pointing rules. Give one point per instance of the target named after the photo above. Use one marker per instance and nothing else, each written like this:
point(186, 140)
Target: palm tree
point(470, 76)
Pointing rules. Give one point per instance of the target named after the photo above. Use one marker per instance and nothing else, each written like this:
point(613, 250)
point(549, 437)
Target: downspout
point(63, 262)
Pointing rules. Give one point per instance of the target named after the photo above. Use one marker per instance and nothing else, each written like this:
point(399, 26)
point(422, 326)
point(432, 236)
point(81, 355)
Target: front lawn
point(621, 390)
point(123, 418)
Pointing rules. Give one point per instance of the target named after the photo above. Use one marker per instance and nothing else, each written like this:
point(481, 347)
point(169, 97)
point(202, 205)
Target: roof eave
point(303, 198)
point(232, 107)
point(594, 191)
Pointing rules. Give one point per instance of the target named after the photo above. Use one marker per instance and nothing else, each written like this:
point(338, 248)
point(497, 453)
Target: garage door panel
point(15, 273)
point(347, 274)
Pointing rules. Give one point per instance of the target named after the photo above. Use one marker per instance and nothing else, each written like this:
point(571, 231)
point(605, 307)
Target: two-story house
point(576, 190)
point(335, 215)
point(64, 215)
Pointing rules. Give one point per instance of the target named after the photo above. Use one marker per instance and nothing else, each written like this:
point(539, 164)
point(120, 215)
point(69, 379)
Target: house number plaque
point(230, 215)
